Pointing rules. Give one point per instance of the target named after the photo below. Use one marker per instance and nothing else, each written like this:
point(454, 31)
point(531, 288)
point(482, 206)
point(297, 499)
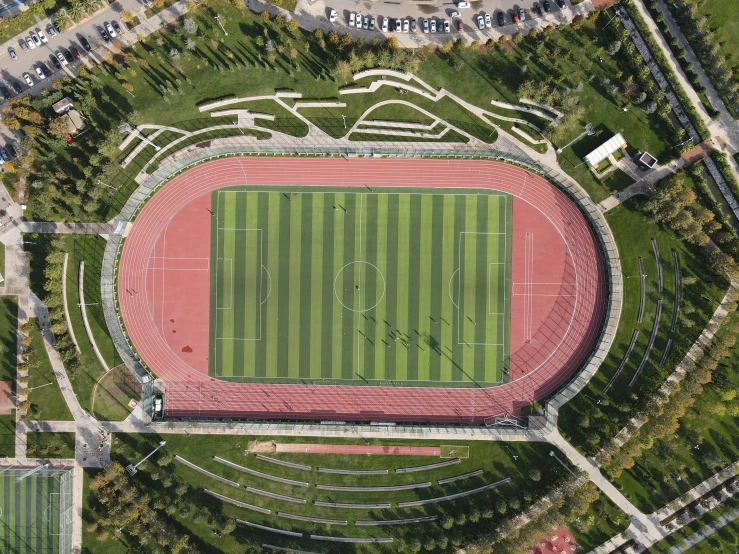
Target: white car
point(488, 23)
point(480, 22)
point(521, 14)
point(332, 16)
point(365, 23)
point(433, 25)
point(424, 25)
point(42, 36)
point(406, 25)
point(462, 5)
point(30, 43)
point(454, 14)
point(35, 38)
point(110, 30)
point(385, 22)
point(359, 21)
point(40, 73)
point(29, 79)
point(352, 16)
point(61, 58)
point(372, 23)
point(446, 25)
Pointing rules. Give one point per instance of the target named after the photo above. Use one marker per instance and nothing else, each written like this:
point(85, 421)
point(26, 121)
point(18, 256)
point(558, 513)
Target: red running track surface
point(556, 307)
point(359, 449)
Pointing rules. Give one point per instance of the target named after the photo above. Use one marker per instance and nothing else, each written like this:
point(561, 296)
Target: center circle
point(354, 283)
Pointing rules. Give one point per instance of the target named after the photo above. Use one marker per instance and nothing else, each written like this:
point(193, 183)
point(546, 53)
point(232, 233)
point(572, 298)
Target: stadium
point(351, 289)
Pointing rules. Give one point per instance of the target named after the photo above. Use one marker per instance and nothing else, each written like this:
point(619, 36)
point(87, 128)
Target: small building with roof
point(605, 150)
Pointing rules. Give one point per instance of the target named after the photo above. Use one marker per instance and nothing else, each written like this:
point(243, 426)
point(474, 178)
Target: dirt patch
point(7, 400)
point(263, 446)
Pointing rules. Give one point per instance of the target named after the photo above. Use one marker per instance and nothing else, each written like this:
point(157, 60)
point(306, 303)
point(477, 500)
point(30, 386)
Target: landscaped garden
point(45, 396)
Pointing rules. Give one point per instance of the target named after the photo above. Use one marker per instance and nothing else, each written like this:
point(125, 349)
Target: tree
point(190, 44)
point(174, 54)
point(447, 522)
point(265, 16)
point(447, 46)
point(651, 107)
point(535, 475)
point(190, 26)
point(517, 37)
point(392, 44)
point(614, 47)
point(292, 26)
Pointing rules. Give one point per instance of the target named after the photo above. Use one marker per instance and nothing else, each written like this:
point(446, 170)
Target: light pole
point(236, 124)
point(218, 19)
point(126, 128)
point(511, 453)
point(133, 469)
point(344, 118)
point(579, 480)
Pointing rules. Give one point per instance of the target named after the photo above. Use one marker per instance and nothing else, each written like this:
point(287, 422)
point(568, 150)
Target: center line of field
point(359, 282)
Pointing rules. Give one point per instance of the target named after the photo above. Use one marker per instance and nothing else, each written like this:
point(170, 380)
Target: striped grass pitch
point(359, 286)
point(29, 521)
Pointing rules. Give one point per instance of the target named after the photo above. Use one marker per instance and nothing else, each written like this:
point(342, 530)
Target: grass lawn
point(723, 17)
point(7, 435)
point(47, 402)
point(113, 393)
point(494, 458)
point(648, 483)
point(2, 261)
point(8, 338)
point(89, 249)
point(402, 232)
point(601, 522)
point(50, 445)
point(586, 423)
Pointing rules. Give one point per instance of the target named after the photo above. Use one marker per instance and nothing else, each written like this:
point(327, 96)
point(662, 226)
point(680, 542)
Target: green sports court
point(360, 286)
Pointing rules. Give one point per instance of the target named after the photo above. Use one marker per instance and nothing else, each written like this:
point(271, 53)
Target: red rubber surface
point(556, 306)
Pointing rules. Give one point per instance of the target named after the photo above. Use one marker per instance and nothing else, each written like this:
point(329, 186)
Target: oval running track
point(547, 356)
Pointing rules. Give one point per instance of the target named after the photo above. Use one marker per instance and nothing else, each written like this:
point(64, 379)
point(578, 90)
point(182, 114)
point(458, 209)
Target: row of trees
point(705, 43)
point(674, 205)
point(662, 415)
point(25, 19)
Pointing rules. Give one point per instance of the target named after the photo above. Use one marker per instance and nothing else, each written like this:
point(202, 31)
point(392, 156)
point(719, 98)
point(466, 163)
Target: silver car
point(424, 25)
point(29, 79)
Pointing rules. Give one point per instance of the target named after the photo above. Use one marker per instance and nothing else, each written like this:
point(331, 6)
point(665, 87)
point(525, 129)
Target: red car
point(514, 16)
point(460, 25)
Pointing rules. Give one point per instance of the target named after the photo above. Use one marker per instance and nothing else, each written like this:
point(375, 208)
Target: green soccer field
point(353, 286)
point(29, 522)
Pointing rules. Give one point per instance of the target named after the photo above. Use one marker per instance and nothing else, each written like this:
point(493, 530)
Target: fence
point(503, 150)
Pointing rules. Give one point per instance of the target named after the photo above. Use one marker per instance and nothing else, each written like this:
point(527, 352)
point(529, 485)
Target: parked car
point(413, 25)
point(40, 72)
point(398, 25)
point(67, 55)
point(332, 15)
point(85, 43)
point(11, 149)
point(35, 39)
point(23, 44)
point(111, 31)
point(538, 10)
point(501, 19)
point(4, 155)
point(42, 36)
point(104, 35)
point(514, 16)
point(488, 23)
point(385, 22)
point(460, 25)
point(61, 58)
point(445, 23)
point(365, 23)
point(454, 14)
point(352, 16)
point(15, 85)
point(359, 21)
point(4, 92)
point(30, 43)
point(463, 5)
point(12, 53)
point(546, 5)
point(55, 62)
point(75, 53)
point(116, 27)
point(480, 22)
point(406, 25)
point(560, 3)
point(433, 25)
point(29, 79)
point(50, 29)
point(424, 25)
point(372, 23)
point(521, 14)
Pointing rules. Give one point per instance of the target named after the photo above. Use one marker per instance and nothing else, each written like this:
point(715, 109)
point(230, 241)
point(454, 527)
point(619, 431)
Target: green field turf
point(30, 514)
point(353, 285)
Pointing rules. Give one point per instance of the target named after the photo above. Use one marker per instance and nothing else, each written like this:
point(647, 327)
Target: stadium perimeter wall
point(502, 150)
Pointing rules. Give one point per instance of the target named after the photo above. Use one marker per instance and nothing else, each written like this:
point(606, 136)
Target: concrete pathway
point(65, 228)
point(644, 184)
point(66, 303)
